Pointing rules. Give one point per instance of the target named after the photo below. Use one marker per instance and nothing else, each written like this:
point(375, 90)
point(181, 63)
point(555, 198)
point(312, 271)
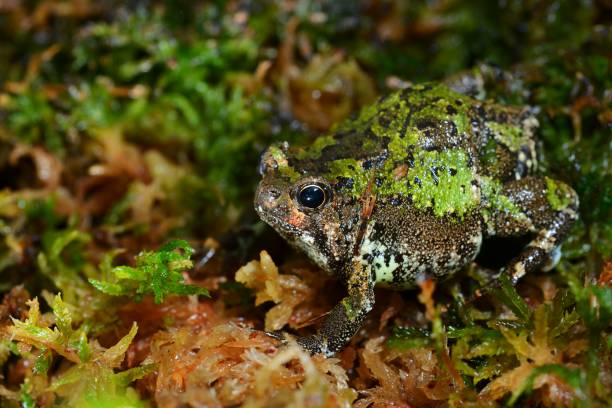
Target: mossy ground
point(124, 126)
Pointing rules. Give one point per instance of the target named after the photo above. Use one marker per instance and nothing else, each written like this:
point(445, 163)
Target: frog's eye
point(311, 196)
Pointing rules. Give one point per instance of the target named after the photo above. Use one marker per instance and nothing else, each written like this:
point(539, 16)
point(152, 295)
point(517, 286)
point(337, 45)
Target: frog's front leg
point(538, 205)
point(346, 318)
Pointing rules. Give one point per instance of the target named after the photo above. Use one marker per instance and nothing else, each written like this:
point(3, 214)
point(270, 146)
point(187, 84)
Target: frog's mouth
point(288, 231)
point(275, 208)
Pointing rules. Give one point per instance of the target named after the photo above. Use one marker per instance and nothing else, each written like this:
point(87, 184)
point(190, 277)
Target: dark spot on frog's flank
point(406, 123)
point(395, 201)
point(384, 120)
point(480, 111)
point(410, 156)
point(475, 125)
point(434, 175)
point(375, 162)
point(378, 232)
point(387, 258)
point(344, 182)
point(452, 171)
point(425, 123)
point(450, 110)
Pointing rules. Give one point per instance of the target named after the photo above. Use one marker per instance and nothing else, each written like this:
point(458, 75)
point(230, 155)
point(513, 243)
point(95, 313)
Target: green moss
point(159, 273)
point(89, 361)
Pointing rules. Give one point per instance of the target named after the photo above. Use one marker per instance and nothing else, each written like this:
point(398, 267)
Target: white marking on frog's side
point(384, 273)
point(476, 240)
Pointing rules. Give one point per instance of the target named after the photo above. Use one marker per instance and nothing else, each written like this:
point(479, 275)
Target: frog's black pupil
point(311, 196)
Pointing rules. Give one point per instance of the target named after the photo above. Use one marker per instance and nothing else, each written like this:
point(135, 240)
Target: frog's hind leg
point(538, 205)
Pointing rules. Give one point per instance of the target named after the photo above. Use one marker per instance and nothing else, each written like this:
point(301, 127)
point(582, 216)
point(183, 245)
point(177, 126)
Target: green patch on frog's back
point(390, 134)
point(440, 180)
point(395, 116)
point(351, 171)
point(284, 168)
point(445, 182)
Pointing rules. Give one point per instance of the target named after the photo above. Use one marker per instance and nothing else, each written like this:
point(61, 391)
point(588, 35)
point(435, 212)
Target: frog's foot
point(315, 344)
point(554, 256)
point(312, 344)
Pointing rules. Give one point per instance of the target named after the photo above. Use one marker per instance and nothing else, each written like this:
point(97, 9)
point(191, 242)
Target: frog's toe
point(555, 256)
point(314, 345)
point(278, 335)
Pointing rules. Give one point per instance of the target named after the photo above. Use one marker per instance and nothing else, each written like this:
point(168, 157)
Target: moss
point(191, 81)
point(158, 273)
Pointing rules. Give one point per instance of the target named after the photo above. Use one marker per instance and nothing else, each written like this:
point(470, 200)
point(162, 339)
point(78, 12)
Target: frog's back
point(426, 143)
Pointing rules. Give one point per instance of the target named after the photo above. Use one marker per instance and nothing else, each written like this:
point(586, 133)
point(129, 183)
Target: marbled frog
point(407, 191)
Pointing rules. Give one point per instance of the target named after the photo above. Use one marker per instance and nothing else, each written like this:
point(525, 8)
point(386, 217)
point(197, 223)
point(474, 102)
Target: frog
point(406, 191)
